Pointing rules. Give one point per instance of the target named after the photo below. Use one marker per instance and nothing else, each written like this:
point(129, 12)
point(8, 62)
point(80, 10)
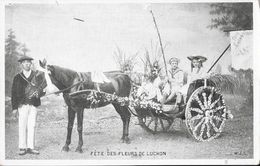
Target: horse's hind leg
point(80, 114)
point(125, 116)
point(71, 117)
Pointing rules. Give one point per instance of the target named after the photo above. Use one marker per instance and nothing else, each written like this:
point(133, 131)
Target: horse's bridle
point(68, 88)
point(65, 89)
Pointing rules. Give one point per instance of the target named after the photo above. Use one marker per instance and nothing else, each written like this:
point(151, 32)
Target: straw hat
point(197, 57)
point(174, 59)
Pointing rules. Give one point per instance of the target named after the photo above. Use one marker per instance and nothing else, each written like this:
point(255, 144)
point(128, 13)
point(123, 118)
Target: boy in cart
point(173, 84)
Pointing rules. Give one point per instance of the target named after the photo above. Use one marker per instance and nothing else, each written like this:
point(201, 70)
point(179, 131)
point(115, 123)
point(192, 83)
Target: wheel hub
point(209, 113)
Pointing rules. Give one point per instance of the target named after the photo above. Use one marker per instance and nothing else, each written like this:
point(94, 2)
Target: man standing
point(26, 106)
point(174, 83)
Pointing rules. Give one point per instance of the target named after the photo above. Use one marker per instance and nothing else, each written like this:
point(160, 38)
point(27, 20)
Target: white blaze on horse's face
point(50, 88)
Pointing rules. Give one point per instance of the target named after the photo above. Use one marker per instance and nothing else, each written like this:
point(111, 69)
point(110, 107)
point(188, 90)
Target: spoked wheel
point(205, 114)
point(155, 124)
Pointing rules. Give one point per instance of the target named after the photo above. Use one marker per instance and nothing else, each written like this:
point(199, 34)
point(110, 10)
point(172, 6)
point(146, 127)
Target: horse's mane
point(64, 75)
point(63, 69)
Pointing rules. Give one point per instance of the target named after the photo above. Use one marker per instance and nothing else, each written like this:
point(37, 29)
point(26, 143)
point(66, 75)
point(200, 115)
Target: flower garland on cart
point(95, 97)
point(210, 117)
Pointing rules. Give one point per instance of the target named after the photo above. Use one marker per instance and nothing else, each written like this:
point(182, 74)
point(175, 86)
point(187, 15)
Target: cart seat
point(168, 108)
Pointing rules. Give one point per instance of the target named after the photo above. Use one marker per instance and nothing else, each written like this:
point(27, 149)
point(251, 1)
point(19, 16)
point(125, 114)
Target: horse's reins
point(80, 82)
point(57, 92)
point(63, 90)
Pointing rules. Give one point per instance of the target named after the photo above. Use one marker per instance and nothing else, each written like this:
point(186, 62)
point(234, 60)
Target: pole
point(219, 58)
point(160, 40)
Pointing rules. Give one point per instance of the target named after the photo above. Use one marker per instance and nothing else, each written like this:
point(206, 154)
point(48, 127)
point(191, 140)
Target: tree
point(232, 16)
point(11, 60)
point(24, 49)
point(11, 44)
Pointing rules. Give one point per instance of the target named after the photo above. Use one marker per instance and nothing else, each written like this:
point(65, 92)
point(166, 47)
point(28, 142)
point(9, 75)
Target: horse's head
point(47, 68)
point(60, 77)
point(50, 75)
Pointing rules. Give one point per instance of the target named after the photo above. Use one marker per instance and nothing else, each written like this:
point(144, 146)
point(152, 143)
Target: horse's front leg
point(125, 116)
point(80, 114)
point(71, 117)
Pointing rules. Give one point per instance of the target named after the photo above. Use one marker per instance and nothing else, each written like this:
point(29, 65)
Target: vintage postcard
point(129, 82)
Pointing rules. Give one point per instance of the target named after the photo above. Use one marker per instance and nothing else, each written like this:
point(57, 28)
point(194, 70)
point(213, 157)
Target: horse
point(63, 78)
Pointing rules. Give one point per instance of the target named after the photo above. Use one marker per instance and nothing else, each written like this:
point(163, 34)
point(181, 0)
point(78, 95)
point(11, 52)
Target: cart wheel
point(205, 114)
point(155, 124)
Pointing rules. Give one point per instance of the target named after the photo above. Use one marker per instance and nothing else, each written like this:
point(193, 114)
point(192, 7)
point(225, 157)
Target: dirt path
point(103, 130)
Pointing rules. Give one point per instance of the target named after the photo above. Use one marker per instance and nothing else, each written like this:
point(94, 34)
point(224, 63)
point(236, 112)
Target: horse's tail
point(133, 83)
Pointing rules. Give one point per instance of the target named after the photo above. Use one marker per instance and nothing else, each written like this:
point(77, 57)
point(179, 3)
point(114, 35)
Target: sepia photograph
point(149, 82)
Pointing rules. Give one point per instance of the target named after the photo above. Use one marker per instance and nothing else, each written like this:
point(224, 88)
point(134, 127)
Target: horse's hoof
point(65, 148)
point(127, 140)
point(79, 150)
point(122, 140)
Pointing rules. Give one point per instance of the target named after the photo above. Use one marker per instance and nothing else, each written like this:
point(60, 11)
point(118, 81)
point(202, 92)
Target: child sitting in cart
point(173, 84)
point(151, 85)
point(197, 71)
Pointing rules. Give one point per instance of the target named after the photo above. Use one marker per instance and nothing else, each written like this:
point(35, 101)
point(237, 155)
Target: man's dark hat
point(197, 57)
point(24, 57)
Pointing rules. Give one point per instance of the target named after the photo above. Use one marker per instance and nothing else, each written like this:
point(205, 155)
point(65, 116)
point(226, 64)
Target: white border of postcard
point(256, 69)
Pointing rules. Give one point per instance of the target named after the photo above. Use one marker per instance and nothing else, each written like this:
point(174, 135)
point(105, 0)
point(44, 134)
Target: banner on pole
point(242, 49)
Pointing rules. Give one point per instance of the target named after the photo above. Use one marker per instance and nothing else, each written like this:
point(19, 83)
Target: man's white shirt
point(27, 73)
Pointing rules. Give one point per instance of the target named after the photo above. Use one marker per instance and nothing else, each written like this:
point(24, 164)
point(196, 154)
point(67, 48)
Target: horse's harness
point(57, 92)
point(80, 87)
point(66, 89)
point(80, 83)
point(81, 79)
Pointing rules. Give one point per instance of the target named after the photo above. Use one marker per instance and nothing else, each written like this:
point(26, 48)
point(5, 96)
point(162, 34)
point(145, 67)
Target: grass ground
point(103, 129)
